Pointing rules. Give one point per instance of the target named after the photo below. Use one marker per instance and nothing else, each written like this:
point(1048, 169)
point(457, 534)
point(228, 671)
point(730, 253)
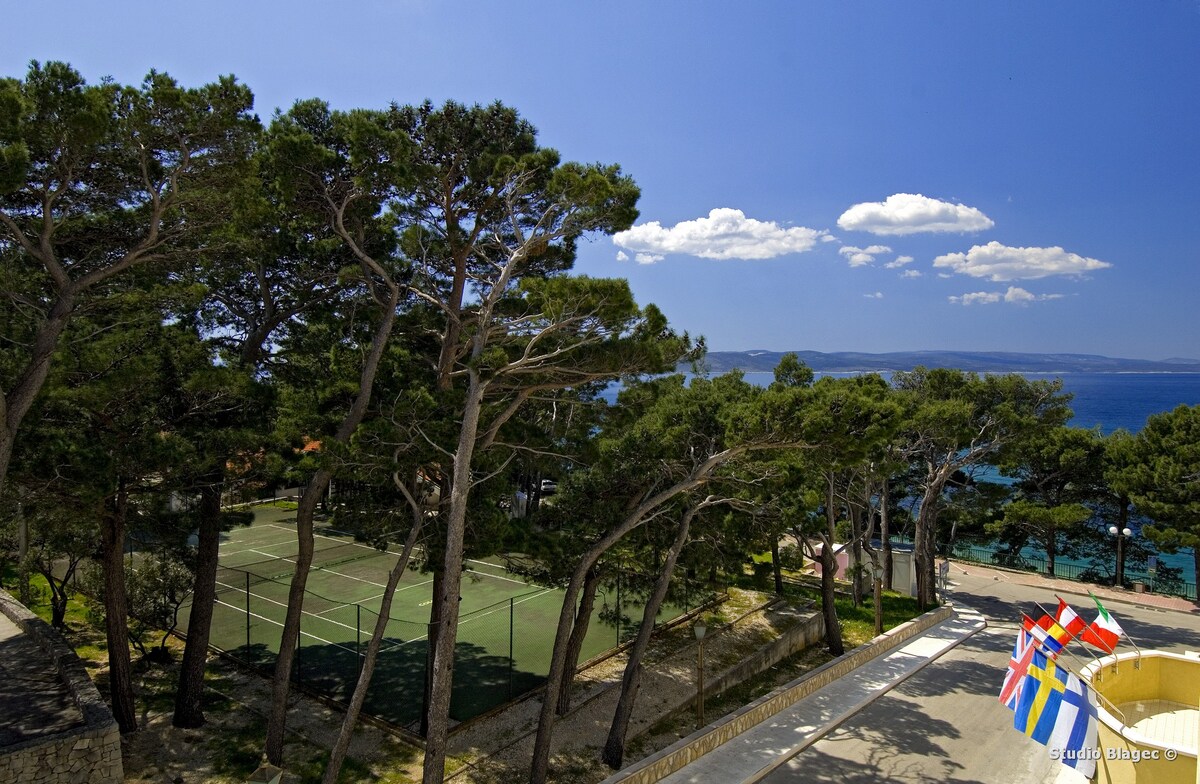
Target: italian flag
point(1104, 632)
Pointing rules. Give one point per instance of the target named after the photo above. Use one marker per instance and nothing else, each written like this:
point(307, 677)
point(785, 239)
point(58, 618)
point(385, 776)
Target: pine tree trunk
point(280, 685)
point(583, 620)
point(447, 633)
point(856, 534)
point(833, 630)
point(885, 534)
point(190, 692)
point(15, 404)
point(775, 566)
point(338, 754)
point(431, 633)
point(614, 748)
point(923, 549)
point(58, 608)
point(116, 610)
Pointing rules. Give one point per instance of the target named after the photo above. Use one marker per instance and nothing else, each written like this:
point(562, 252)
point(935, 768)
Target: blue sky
point(1039, 163)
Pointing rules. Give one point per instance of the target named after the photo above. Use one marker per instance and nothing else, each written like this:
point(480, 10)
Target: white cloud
point(984, 297)
point(724, 234)
point(912, 213)
point(862, 256)
point(1001, 263)
point(828, 238)
point(1014, 296)
point(622, 256)
point(911, 274)
point(898, 262)
point(876, 295)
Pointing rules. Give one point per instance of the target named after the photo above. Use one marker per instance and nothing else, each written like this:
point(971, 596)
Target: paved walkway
point(34, 701)
point(755, 754)
point(1070, 588)
point(763, 748)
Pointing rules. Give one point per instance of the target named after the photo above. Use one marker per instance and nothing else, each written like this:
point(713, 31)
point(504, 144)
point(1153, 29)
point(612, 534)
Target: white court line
point(330, 571)
point(414, 585)
point(375, 550)
point(502, 607)
point(496, 576)
point(277, 623)
point(352, 604)
point(473, 617)
point(284, 604)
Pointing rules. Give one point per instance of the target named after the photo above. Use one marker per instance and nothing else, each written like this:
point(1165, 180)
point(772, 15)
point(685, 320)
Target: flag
point(1057, 709)
point(1047, 634)
point(1069, 619)
point(1018, 666)
point(1075, 730)
point(1104, 632)
point(1052, 627)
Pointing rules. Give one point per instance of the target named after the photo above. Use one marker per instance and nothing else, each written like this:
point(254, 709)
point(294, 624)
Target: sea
point(1106, 400)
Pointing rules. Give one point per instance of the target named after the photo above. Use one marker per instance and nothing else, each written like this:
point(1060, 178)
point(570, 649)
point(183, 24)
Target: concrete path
point(757, 752)
point(942, 724)
point(34, 701)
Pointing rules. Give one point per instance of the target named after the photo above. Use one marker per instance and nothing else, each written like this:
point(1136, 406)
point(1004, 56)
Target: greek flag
point(1058, 710)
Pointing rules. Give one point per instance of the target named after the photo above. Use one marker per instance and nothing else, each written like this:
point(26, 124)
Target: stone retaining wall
point(797, 638)
point(87, 754)
point(664, 763)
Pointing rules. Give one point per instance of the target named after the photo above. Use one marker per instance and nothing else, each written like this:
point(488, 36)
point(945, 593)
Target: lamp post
point(699, 628)
point(1122, 534)
point(877, 573)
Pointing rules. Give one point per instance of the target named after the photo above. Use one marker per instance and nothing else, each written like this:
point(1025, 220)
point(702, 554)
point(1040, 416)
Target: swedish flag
point(1056, 709)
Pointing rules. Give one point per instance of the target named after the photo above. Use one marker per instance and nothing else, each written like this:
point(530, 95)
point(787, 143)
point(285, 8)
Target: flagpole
point(1112, 705)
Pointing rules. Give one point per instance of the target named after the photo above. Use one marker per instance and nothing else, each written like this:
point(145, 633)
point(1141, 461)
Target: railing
point(1065, 570)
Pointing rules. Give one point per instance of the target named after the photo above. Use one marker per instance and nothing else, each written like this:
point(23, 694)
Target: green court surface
point(505, 632)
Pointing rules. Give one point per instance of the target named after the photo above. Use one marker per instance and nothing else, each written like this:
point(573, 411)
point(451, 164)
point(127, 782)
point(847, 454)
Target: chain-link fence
point(503, 649)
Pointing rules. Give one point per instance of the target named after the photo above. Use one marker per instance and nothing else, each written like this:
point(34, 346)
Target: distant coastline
point(974, 361)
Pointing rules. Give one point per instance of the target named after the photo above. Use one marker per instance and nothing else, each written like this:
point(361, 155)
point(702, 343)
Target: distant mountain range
point(976, 361)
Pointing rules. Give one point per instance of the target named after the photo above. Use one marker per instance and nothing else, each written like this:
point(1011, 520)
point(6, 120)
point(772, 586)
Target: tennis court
point(505, 634)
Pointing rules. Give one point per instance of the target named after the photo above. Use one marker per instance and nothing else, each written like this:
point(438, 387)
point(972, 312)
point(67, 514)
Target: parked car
point(549, 487)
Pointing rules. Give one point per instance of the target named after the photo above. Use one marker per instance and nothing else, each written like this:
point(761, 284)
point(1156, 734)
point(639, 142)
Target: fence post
point(511, 610)
point(247, 613)
point(358, 636)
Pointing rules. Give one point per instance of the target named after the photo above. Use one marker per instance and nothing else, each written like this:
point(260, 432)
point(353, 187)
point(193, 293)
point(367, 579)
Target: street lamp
point(699, 628)
point(877, 573)
point(1122, 534)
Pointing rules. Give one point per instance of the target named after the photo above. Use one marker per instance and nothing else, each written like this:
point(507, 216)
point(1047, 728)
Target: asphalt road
point(944, 724)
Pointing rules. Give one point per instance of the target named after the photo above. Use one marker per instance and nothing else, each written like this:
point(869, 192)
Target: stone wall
point(662, 764)
point(797, 638)
point(87, 754)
